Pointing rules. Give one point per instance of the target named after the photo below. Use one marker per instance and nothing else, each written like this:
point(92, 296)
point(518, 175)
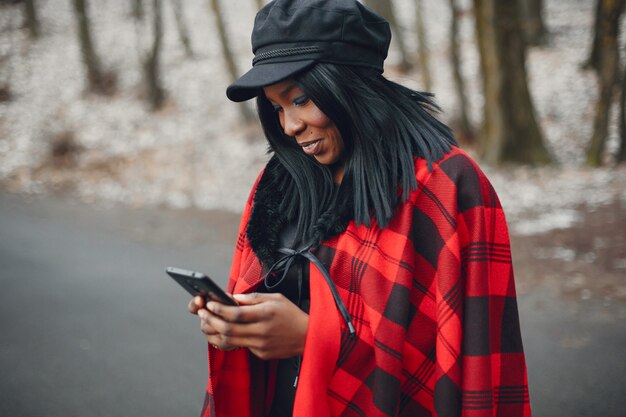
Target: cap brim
point(261, 75)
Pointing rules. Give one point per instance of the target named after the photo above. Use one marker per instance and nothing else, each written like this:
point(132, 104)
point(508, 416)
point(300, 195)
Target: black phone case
point(197, 283)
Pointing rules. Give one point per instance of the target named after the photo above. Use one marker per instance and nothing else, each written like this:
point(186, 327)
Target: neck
point(338, 172)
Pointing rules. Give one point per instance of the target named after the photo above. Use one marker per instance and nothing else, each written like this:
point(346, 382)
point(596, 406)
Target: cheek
point(338, 142)
point(320, 120)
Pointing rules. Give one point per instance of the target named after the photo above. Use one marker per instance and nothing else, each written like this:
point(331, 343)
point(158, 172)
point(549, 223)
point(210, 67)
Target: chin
point(325, 160)
point(320, 159)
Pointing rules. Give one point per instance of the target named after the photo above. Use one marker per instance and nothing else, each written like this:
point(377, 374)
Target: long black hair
point(384, 125)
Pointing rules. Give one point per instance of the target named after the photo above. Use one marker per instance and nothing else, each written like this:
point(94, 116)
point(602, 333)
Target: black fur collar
point(267, 220)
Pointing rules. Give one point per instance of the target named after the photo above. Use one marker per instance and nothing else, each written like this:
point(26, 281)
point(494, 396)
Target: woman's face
point(301, 119)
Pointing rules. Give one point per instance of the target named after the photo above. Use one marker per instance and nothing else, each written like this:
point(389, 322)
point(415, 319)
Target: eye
point(301, 100)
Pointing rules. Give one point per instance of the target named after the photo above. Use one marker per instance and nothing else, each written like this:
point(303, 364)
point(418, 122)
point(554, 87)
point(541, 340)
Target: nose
point(292, 123)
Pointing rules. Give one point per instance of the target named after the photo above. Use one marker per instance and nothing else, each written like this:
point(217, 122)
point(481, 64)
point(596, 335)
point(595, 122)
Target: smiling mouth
point(311, 147)
point(309, 144)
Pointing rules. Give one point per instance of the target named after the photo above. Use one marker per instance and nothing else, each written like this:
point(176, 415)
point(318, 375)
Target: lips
point(311, 147)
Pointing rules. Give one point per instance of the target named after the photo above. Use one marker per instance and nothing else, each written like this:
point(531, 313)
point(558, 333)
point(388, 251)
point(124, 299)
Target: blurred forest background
point(124, 102)
point(121, 103)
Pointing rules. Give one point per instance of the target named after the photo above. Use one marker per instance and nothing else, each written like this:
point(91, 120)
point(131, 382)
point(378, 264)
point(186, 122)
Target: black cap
point(292, 35)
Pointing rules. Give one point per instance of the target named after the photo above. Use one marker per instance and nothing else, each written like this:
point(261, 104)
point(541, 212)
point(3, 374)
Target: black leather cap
point(290, 36)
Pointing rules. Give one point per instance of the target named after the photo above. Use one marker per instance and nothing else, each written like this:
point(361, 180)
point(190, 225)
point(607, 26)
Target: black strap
point(287, 260)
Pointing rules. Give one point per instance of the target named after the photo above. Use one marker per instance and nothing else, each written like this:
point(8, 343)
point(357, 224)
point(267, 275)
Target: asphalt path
point(90, 325)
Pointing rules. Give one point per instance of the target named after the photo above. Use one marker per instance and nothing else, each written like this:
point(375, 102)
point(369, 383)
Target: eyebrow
point(286, 91)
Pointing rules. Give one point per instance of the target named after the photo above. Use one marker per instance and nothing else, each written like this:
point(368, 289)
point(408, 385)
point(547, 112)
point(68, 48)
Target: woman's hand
point(197, 306)
point(270, 325)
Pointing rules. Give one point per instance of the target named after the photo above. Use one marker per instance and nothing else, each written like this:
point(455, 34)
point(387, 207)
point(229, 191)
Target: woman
point(372, 269)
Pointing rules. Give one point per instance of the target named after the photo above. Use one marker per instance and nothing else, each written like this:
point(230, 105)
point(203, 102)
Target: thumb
point(253, 298)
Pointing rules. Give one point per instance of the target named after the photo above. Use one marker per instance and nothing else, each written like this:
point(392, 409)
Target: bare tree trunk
point(32, 21)
point(492, 137)
point(593, 62)
point(138, 14)
point(385, 9)
point(6, 67)
point(151, 67)
point(423, 54)
point(98, 81)
point(608, 73)
point(465, 133)
point(5, 79)
point(511, 132)
point(621, 154)
point(535, 32)
point(183, 34)
point(137, 9)
point(229, 60)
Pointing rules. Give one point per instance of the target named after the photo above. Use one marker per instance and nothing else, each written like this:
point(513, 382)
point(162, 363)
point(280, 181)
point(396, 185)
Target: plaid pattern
point(433, 302)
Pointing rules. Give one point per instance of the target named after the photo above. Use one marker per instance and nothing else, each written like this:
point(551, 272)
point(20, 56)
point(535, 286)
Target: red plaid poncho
point(433, 301)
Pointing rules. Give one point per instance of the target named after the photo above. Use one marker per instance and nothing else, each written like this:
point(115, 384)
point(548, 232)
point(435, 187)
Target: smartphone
point(197, 283)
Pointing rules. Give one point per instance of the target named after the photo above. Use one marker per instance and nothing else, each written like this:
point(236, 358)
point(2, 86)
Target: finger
point(207, 329)
point(195, 304)
point(256, 298)
point(204, 314)
point(217, 324)
point(236, 333)
point(213, 325)
point(218, 343)
point(228, 336)
point(241, 314)
point(234, 342)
